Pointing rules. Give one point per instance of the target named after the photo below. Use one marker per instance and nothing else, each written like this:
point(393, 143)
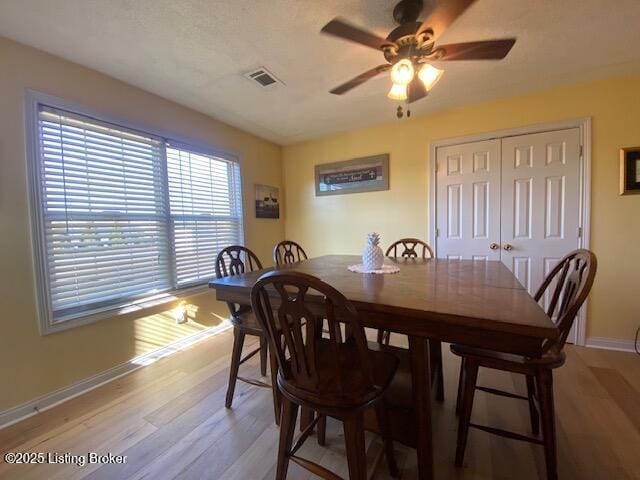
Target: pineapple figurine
point(372, 257)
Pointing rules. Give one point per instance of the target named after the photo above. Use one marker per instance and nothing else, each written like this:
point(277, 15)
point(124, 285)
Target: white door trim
point(584, 124)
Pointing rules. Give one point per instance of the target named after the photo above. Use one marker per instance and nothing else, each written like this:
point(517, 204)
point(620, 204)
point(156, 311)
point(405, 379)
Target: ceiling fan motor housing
point(407, 11)
point(404, 43)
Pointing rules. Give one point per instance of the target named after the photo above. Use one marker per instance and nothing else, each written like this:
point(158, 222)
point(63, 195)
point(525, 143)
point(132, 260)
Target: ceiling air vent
point(263, 77)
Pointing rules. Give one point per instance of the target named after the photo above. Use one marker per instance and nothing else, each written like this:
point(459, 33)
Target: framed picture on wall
point(267, 201)
point(629, 170)
point(366, 174)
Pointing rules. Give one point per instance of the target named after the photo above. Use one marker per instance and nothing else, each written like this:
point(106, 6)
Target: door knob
point(494, 246)
point(508, 247)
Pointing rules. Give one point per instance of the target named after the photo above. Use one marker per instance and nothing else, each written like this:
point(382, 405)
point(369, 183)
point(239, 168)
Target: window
point(206, 211)
point(123, 215)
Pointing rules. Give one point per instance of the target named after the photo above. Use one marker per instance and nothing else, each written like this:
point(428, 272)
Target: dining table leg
point(421, 381)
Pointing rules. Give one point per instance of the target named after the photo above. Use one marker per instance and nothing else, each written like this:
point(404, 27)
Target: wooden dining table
point(475, 303)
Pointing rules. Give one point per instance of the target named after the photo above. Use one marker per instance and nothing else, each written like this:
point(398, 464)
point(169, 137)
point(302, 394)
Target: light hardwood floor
point(169, 420)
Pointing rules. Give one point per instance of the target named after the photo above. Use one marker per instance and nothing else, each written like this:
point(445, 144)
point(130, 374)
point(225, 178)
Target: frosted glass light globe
point(397, 92)
point(402, 72)
point(429, 76)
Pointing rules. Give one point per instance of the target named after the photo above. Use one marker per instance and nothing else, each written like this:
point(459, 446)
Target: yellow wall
point(32, 365)
point(339, 223)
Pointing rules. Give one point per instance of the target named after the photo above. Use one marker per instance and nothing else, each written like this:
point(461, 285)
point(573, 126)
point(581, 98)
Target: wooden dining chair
point(409, 248)
point(562, 293)
point(287, 252)
point(336, 376)
point(416, 248)
point(235, 260)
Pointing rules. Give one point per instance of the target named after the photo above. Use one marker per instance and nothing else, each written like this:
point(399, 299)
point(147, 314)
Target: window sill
point(119, 310)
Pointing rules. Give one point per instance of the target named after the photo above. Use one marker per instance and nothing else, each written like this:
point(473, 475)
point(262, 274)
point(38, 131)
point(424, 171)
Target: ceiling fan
point(410, 48)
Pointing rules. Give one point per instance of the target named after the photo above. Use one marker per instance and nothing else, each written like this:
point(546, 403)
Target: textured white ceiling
point(194, 52)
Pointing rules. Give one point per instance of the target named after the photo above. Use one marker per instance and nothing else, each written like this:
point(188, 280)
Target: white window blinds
point(206, 211)
point(124, 215)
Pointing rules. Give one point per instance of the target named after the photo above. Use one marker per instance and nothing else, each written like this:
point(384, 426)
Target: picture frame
point(630, 171)
point(267, 201)
point(364, 174)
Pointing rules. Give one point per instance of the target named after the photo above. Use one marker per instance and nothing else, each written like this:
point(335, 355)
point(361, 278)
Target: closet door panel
point(540, 202)
point(468, 201)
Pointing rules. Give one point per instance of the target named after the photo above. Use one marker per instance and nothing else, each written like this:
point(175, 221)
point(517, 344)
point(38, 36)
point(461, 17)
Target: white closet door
point(540, 202)
point(468, 201)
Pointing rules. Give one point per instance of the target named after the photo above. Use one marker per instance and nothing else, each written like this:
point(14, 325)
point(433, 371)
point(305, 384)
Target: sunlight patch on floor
point(180, 345)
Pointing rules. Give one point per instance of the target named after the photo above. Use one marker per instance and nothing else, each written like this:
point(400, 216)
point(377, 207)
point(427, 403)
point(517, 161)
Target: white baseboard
point(50, 400)
point(611, 344)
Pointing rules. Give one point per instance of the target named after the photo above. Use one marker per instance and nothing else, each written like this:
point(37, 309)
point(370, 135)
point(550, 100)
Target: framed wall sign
point(366, 174)
point(629, 170)
point(267, 202)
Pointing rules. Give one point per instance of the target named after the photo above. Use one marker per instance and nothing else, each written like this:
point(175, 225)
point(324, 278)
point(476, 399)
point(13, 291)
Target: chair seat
point(508, 361)
point(355, 392)
point(248, 322)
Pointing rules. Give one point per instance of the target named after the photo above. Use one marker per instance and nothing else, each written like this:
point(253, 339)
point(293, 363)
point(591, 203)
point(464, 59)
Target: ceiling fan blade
point(340, 28)
point(444, 15)
point(360, 79)
point(483, 50)
point(417, 90)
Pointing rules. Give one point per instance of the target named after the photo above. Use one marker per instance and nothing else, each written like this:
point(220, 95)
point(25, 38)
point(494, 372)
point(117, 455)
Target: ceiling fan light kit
point(410, 48)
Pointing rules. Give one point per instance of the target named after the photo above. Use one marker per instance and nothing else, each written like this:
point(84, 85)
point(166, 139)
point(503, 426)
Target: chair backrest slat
point(291, 307)
point(557, 291)
point(409, 248)
point(287, 252)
